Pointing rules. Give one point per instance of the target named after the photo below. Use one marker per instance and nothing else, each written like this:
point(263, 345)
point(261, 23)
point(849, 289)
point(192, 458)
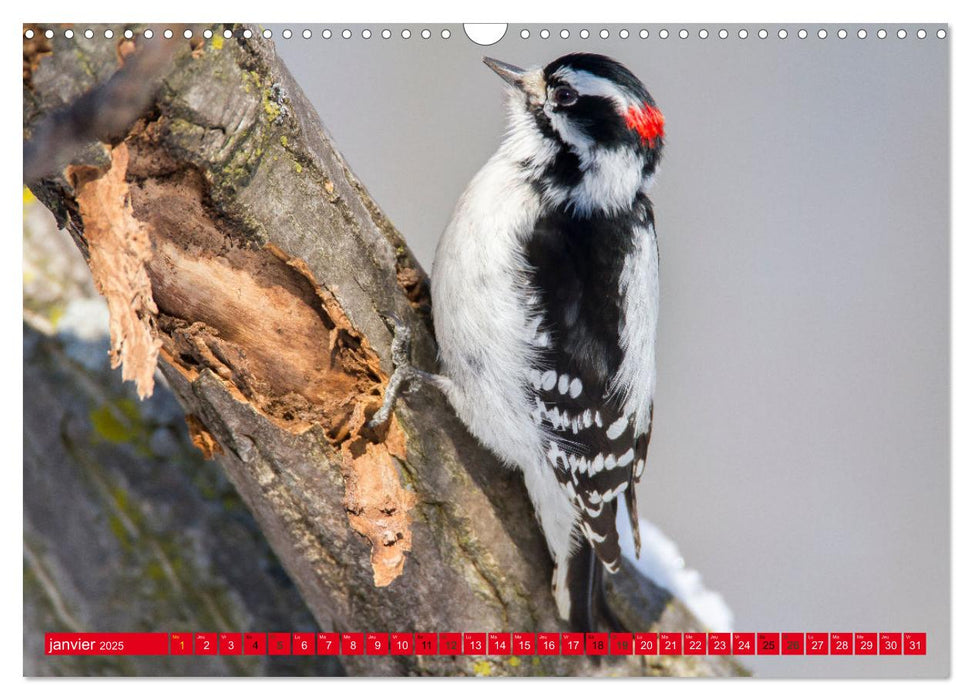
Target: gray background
point(800, 456)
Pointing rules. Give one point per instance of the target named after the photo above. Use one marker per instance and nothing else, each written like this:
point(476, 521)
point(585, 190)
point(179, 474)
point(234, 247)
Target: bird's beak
point(531, 82)
point(508, 72)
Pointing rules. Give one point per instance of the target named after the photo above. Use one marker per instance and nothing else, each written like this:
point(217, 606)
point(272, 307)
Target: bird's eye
point(565, 96)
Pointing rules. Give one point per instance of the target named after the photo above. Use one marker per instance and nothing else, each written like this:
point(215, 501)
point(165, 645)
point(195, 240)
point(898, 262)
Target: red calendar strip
point(491, 644)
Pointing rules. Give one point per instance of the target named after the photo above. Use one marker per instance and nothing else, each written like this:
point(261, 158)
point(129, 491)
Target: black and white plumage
point(545, 298)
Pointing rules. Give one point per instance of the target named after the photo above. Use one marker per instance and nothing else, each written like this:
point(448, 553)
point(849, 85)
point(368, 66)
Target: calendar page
point(487, 350)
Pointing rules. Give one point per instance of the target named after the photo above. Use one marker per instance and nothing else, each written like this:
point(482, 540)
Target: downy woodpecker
point(545, 303)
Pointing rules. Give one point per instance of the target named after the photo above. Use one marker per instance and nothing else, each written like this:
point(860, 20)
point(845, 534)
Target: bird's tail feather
point(631, 499)
point(588, 600)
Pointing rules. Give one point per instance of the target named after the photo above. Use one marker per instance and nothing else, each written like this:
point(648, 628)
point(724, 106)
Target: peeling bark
point(120, 248)
point(271, 268)
point(202, 438)
point(377, 504)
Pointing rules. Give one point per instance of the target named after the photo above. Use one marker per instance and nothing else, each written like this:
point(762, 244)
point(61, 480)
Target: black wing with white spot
point(593, 448)
point(594, 453)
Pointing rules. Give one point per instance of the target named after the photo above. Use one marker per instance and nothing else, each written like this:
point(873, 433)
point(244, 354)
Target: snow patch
point(661, 561)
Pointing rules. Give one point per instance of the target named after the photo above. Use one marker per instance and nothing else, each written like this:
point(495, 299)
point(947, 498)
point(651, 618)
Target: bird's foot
point(405, 378)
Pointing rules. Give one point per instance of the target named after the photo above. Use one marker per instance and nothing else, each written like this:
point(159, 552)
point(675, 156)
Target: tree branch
point(102, 114)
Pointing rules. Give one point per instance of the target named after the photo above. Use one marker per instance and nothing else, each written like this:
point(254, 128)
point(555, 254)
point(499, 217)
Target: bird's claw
point(404, 372)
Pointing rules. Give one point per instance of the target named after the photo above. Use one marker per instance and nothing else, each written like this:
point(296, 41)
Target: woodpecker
point(545, 304)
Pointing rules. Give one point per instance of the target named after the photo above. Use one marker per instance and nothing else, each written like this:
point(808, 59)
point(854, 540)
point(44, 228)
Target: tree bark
point(260, 271)
point(127, 529)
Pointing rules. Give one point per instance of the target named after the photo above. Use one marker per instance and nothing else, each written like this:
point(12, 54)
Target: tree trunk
point(229, 236)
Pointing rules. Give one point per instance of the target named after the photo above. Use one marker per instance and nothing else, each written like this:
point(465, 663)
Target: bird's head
point(584, 129)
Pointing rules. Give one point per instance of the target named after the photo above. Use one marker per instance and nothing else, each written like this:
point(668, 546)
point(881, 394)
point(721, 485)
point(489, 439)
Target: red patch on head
point(646, 121)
